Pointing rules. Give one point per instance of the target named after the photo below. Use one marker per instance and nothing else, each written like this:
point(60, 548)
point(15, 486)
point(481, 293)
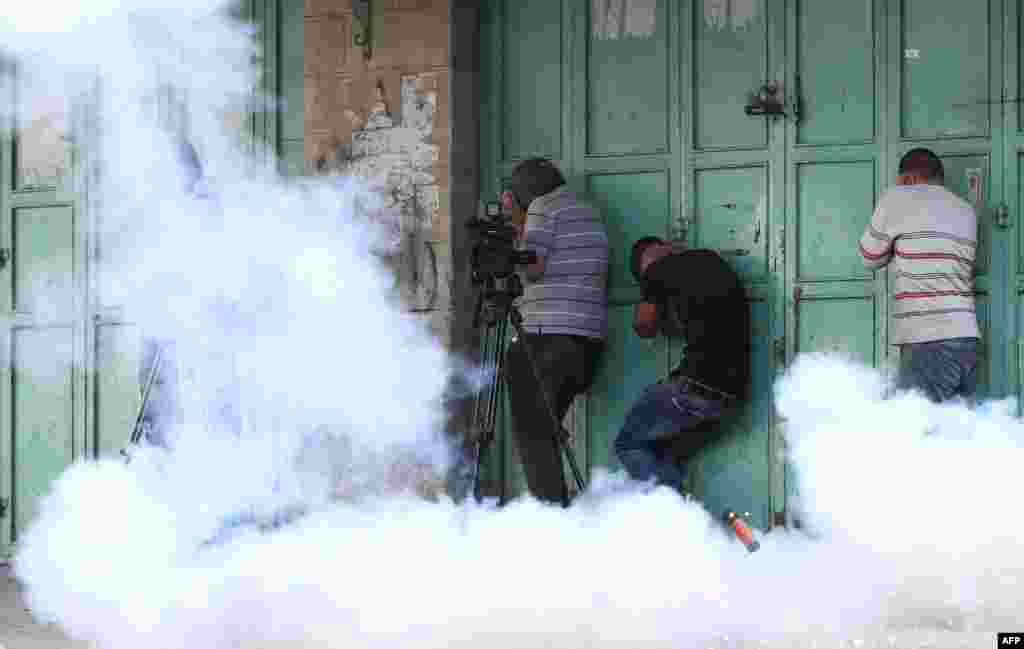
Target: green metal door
point(70, 355)
point(876, 79)
point(1007, 212)
point(642, 103)
point(734, 203)
point(40, 297)
point(617, 101)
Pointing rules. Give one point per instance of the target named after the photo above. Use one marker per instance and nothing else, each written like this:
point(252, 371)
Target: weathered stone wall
point(381, 113)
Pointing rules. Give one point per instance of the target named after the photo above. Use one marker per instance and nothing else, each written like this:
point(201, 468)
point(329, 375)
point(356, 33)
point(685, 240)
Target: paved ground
point(17, 629)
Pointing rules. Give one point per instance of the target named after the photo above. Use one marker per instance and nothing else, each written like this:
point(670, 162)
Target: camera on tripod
point(493, 264)
point(495, 255)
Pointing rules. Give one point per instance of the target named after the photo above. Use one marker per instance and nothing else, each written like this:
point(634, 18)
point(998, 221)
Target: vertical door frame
point(1013, 193)
point(6, 304)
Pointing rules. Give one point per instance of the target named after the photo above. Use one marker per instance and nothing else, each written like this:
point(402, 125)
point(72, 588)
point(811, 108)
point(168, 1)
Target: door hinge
point(779, 347)
point(1002, 216)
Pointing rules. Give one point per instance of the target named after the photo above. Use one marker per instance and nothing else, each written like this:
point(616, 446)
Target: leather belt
point(702, 389)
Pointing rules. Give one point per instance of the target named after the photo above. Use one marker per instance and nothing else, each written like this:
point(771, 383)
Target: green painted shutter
point(646, 116)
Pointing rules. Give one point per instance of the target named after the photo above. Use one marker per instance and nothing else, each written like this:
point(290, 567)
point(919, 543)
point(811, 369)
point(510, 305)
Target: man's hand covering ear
point(645, 319)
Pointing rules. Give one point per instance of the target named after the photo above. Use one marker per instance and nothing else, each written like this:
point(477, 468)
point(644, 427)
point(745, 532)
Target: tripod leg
point(136, 435)
point(486, 409)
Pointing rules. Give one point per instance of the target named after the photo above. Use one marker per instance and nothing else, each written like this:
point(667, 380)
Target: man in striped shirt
point(564, 309)
point(929, 237)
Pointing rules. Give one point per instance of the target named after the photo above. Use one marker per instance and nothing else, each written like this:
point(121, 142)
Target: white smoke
point(914, 538)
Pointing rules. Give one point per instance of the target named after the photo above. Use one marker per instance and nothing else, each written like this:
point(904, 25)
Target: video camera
point(494, 254)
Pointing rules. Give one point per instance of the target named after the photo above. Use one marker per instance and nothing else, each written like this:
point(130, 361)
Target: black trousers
point(566, 367)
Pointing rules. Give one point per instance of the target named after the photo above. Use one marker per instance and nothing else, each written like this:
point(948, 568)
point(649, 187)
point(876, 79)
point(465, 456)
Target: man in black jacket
point(695, 295)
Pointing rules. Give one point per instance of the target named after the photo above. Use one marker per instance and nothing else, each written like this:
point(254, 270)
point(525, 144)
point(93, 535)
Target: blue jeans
point(663, 411)
point(941, 369)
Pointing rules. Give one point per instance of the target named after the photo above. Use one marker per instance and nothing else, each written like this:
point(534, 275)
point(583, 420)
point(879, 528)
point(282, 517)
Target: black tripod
point(139, 428)
point(496, 309)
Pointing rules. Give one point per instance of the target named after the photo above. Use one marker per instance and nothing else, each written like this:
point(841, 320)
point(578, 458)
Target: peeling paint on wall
point(613, 19)
point(396, 160)
point(731, 14)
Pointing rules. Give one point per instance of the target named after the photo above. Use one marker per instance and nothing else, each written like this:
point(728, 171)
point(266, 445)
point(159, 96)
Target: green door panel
point(843, 325)
point(835, 202)
point(628, 112)
point(732, 217)
point(628, 365)
point(730, 60)
point(291, 70)
point(836, 108)
point(734, 471)
point(117, 395)
point(1018, 172)
point(944, 65)
point(532, 78)
point(41, 415)
point(632, 205)
point(43, 261)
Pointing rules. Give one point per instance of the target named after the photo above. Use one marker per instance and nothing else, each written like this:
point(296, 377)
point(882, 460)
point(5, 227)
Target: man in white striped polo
point(928, 236)
point(565, 315)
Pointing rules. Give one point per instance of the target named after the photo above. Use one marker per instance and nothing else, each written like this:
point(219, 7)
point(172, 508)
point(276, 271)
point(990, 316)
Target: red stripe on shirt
point(872, 255)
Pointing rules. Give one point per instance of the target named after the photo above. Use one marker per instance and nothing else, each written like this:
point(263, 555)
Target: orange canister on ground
point(742, 531)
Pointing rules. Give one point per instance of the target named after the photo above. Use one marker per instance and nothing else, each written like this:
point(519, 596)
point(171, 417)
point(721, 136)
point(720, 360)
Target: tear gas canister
point(741, 530)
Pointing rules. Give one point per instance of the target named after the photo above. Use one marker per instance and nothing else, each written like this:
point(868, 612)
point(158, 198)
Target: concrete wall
point(382, 113)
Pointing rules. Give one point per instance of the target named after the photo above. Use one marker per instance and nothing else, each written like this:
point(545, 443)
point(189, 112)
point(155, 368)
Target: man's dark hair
point(533, 178)
point(922, 162)
point(638, 252)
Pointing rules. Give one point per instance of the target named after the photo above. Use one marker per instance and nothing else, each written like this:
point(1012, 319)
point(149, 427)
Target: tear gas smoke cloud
point(915, 538)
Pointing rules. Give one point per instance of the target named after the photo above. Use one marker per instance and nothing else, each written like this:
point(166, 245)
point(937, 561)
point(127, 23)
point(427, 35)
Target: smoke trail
point(914, 543)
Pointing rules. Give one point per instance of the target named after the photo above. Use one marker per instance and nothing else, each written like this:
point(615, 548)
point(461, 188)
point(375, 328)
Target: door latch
point(1002, 216)
point(3, 507)
point(5, 256)
point(767, 101)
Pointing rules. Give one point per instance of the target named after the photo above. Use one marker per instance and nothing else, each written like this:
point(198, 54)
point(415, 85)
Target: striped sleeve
point(876, 242)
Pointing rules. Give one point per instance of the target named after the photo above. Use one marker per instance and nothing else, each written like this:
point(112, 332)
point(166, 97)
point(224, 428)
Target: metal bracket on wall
point(361, 15)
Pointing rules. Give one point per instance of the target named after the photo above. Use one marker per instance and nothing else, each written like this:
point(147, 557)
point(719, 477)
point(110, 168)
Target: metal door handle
point(736, 252)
